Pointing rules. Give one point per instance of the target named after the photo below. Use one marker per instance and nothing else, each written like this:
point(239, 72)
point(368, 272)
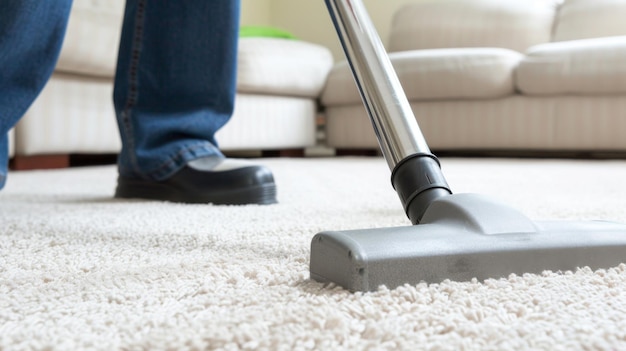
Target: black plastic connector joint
point(418, 180)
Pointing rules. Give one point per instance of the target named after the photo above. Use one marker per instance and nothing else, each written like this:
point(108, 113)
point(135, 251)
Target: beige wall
point(255, 12)
point(309, 19)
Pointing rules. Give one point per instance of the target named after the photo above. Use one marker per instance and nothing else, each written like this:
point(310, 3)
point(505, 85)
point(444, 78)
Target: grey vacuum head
point(461, 237)
point(457, 237)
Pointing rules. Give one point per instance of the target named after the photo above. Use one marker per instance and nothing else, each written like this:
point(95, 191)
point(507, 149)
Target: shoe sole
point(136, 189)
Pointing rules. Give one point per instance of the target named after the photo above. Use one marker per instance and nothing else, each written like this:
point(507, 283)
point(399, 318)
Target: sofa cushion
point(582, 19)
point(515, 25)
point(587, 66)
point(470, 73)
point(92, 38)
point(282, 67)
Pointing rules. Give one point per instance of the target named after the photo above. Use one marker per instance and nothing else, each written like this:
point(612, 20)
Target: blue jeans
point(175, 82)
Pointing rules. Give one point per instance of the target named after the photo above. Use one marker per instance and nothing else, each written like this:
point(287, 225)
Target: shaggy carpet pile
point(80, 270)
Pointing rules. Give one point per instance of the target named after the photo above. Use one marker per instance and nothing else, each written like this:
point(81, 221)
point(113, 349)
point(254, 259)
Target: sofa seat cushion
point(282, 67)
point(587, 66)
point(469, 73)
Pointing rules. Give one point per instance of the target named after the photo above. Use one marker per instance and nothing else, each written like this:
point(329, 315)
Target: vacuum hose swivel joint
point(418, 180)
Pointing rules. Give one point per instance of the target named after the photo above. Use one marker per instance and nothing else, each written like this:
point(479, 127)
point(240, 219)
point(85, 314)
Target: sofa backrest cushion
point(511, 24)
point(584, 19)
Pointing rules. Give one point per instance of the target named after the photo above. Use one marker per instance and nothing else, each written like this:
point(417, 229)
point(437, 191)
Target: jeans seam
point(133, 84)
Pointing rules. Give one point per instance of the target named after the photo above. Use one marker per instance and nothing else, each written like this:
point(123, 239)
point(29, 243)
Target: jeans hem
point(178, 160)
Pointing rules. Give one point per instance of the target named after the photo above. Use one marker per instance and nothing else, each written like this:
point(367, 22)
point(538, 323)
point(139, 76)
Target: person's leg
point(175, 87)
point(31, 34)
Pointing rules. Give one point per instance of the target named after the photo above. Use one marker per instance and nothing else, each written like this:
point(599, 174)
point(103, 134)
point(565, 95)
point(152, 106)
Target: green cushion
point(267, 32)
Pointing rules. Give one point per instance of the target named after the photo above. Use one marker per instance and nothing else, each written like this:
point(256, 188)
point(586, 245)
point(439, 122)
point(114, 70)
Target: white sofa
point(11, 143)
point(500, 75)
point(279, 82)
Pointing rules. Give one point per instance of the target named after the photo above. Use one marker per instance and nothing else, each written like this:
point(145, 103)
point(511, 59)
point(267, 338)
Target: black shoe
point(208, 180)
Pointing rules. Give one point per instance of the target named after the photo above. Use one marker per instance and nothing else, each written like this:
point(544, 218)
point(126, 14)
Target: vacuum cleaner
point(454, 236)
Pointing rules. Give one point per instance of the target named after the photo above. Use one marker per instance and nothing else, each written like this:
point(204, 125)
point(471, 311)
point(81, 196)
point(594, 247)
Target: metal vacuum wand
point(416, 173)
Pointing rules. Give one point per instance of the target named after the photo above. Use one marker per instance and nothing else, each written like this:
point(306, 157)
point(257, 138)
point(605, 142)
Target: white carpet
point(79, 270)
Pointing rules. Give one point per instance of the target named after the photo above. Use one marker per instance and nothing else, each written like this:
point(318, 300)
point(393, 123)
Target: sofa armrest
point(282, 67)
point(11, 143)
point(92, 38)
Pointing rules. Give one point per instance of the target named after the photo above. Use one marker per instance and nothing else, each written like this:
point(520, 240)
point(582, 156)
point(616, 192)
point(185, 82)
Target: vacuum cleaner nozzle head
point(462, 237)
